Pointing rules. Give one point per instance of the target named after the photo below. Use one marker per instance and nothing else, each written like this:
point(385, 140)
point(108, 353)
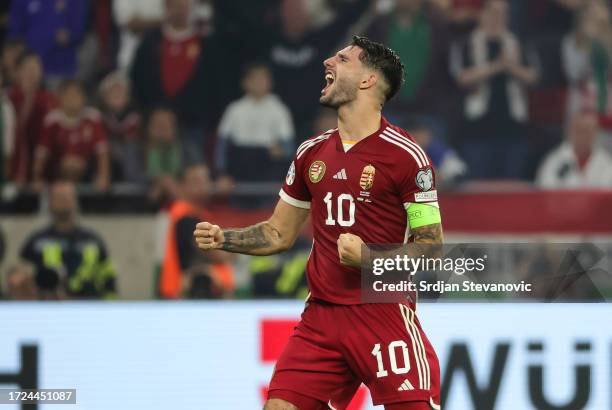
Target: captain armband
point(423, 214)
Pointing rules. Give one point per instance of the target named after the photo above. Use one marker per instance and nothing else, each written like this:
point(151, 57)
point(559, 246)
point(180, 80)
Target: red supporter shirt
point(83, 137)
point(179, 57)
point(363, 191)
point(30, 122)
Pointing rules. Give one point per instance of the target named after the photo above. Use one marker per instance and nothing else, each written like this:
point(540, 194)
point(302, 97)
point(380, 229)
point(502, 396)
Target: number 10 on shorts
point(392, 350)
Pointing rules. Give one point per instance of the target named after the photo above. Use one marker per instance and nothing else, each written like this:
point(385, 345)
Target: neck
point(64, 226)
point(355, 122)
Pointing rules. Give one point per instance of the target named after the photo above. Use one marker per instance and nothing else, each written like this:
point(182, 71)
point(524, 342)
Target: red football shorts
point(335, 348)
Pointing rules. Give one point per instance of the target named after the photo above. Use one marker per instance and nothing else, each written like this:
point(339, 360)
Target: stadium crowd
point(168, 95)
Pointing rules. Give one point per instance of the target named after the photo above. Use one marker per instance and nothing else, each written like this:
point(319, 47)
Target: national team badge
point(290, 174)
point(367, 177)
point(316, 171)
point(424, 179)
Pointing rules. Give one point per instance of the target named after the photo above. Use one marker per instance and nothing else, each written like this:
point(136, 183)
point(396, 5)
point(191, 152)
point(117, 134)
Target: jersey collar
point(383, 124)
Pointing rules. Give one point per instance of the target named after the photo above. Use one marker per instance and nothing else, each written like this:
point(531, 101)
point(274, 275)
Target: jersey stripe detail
point(434, 405)
point(423, 356)
point(413, 144)
point(312, 139)
point(405, 142)
point(415, 351)
point(314, 142)
point(292, 201)
point(310, 143)
point(404, 147)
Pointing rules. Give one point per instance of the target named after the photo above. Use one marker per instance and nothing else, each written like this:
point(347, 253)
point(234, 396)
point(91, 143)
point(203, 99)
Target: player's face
point(342, 76)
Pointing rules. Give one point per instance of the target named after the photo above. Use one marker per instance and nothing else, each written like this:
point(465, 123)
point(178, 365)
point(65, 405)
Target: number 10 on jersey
point(340, 218)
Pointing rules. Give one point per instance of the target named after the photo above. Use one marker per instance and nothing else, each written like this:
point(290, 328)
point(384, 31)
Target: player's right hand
point(208, 236)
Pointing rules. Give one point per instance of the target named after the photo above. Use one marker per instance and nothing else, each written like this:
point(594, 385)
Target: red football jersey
point(363, 191)
point(83, 137)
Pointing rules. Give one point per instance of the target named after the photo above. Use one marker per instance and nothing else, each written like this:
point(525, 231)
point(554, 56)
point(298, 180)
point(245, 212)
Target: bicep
point(288, 220)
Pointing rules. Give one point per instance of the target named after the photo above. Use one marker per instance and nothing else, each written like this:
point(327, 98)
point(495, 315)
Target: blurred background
point(124, 122)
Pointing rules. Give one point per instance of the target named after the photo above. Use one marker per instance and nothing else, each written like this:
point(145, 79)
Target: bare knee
point(279, 404)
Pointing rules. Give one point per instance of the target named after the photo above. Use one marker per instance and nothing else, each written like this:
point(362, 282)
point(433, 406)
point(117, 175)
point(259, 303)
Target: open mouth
point(329, 80)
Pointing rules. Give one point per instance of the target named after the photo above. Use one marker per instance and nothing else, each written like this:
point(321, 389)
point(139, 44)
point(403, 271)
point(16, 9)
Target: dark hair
point(68, 83)
point(383, 59)
point(23, 56)
point(254, 65)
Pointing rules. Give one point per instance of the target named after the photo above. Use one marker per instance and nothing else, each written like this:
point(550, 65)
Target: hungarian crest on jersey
point(316, 171)
point(367, 177)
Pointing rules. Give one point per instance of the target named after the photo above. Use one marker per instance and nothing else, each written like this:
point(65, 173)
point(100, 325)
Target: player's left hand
point(349, 249)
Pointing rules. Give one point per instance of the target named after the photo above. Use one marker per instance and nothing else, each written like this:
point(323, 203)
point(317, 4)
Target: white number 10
point(340, 218)
point(376, 352)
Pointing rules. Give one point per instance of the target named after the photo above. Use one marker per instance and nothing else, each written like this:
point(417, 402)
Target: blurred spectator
point(296, 49)
point(123, 126)
point(53, 29)
point(67, 257)
point(20, 284)
point(72, 142)
point(183, 261)
point(164, 154)
point(2, 246)
point(416, 31)
point(11, 51)
point(450, 169)
point(4, 12)
point(281, 275)
point(464, 15)
point(255, 130)
point(97, 52)
point(586, 61)
point(495, 70)
point(7, 133)
point(32, 103)
point(135, 18)
point(168, 69)
point(581, 162)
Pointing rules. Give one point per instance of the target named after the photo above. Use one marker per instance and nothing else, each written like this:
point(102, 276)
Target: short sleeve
point(419, 186)
point(295, 191)
point(415, 173)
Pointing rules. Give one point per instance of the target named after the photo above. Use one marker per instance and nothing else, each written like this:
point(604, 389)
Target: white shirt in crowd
point(262, 123)
point(9, 126)
point(126, 10)
point(560, 169)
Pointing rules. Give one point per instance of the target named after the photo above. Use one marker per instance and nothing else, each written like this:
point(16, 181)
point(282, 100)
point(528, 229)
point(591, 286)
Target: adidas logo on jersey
point(340, 174)
point(406, 386)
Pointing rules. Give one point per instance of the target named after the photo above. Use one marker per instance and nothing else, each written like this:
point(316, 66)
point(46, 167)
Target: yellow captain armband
point(423, 214)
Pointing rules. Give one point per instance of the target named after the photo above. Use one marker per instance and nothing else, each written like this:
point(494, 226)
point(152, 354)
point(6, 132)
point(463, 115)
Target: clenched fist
point(349, 249)
point(208, 236)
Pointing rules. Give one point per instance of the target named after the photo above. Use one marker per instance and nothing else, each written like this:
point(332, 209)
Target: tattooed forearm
point(431, 234)
point(258, 239)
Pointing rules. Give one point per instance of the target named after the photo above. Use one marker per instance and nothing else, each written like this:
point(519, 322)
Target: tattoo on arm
point(256, 239)
point(429, 234)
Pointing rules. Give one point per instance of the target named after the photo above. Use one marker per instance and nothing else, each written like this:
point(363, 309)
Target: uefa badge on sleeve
point(290, 174)
point(424, 179)
point(316, 171)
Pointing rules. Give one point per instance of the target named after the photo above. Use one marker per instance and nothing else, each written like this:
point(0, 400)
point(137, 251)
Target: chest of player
point(359, 178)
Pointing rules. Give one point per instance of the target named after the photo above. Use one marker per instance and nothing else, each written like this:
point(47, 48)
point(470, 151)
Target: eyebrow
point(342, 55)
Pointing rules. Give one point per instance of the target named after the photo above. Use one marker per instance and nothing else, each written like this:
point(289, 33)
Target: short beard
point(342, 94)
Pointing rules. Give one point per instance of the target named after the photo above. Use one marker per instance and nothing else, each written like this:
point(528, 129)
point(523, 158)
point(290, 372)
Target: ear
point(368, 81)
